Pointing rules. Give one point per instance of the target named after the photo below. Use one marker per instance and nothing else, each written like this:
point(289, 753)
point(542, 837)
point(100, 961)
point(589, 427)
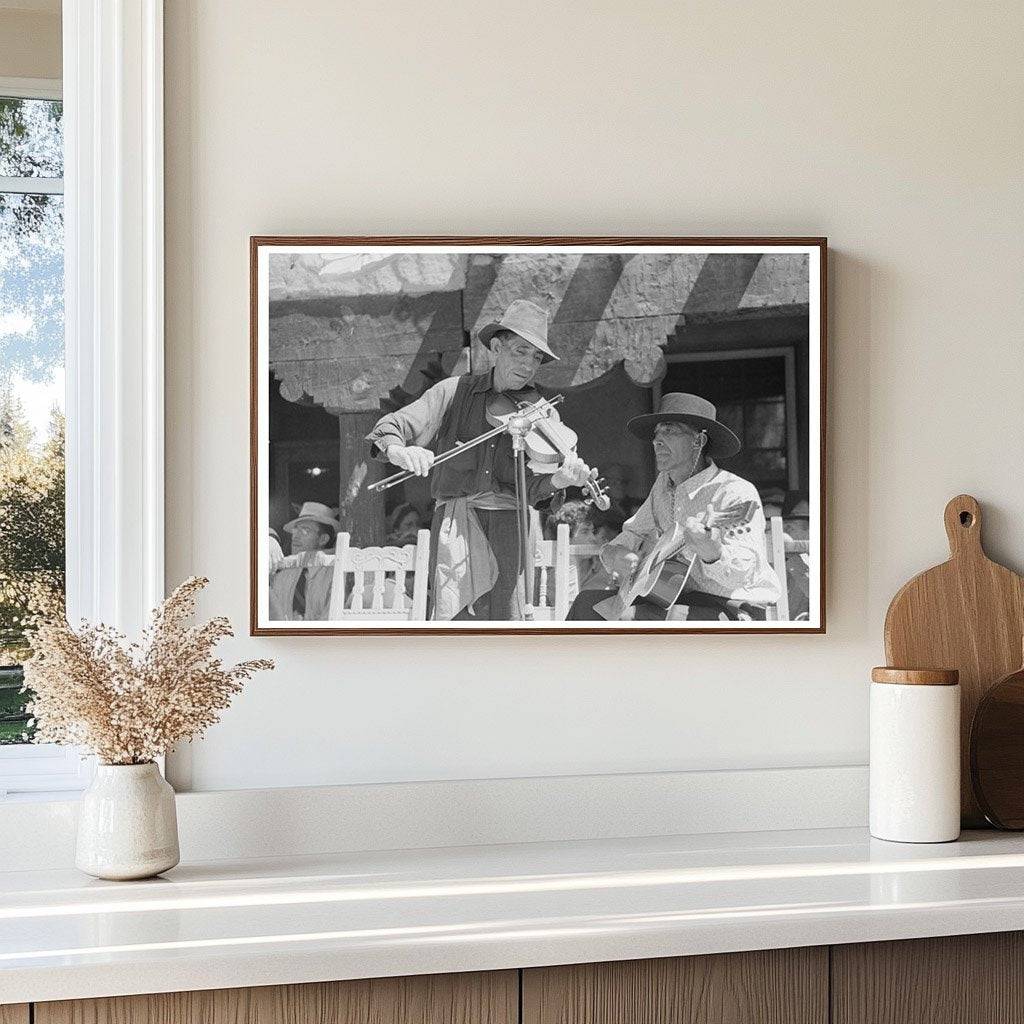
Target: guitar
point(660, 579)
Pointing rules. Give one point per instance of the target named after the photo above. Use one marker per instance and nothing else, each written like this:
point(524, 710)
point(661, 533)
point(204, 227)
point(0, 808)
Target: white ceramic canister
point(915, 755)
point(127, 824)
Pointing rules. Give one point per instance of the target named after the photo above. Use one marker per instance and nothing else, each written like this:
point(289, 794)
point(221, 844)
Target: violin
point(546, 438)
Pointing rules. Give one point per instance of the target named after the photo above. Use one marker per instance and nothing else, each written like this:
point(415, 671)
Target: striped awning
point(347, 330)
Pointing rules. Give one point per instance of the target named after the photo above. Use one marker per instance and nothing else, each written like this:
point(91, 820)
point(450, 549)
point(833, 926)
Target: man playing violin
point(475, 556)
point(730, 575)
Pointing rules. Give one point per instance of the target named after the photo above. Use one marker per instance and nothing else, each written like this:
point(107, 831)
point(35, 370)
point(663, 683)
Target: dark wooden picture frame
point(700, 322)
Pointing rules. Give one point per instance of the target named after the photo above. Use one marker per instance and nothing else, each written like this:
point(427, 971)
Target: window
point(110, 203)
point(31, 383)
point(754, 391)
point(32, 562)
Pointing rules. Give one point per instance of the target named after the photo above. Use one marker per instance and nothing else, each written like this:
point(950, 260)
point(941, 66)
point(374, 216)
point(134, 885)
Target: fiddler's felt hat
point(313, 511)
point(695, 412)
point(527, 320)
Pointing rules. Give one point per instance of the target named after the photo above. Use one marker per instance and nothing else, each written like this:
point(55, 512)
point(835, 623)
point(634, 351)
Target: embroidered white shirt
point(743, 572)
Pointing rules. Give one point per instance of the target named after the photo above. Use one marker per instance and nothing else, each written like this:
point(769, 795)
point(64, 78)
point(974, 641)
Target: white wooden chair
point(577, 554)
point(551, 598)
point(378, 579)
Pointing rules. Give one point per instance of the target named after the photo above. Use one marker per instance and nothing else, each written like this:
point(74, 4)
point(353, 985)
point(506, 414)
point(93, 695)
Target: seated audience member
point(618, 481)
point(300, 586)
point(276, 554)
point(403, 525)
point(588, 525)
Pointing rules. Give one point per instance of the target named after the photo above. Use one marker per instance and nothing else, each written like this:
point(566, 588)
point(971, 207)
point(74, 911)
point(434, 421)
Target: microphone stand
point(518, 428)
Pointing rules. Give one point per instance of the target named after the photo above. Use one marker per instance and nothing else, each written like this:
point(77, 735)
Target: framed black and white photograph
point(537, 434)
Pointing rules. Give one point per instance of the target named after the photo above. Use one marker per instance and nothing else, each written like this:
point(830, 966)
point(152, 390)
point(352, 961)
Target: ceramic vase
point(127, 825)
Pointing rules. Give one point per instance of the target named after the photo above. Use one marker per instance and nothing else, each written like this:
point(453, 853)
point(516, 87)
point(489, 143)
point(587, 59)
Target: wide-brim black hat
point(695, 412)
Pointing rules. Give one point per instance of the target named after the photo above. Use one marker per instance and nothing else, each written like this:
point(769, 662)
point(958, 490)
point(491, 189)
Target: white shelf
point(351, 915)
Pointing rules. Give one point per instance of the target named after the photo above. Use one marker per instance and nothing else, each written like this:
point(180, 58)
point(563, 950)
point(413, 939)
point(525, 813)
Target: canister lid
point(916, 676)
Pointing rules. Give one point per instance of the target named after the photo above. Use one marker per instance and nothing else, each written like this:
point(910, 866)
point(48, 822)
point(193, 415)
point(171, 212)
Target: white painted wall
point(895, 129)
point(30, 39)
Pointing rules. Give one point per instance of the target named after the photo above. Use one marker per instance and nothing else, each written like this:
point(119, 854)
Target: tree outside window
point(31, 387)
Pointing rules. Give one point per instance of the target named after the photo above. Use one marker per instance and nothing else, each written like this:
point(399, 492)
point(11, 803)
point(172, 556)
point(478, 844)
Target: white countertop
point(262, 922)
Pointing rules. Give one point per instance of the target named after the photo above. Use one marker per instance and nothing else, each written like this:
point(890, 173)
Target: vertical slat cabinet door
point(480, 998)
point(777, 986)
point(959, 979)
point(14, 1013)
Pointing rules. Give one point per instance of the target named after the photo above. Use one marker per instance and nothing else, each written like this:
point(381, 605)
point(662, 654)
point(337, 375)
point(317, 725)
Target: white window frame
point(32, 88)
point(114, 335)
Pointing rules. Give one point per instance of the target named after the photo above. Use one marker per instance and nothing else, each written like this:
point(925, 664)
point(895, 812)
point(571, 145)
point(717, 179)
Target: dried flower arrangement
point(130, 703)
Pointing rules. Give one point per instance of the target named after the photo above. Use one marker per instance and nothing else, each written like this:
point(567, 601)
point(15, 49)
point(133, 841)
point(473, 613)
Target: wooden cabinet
point(962, 979)
point(491, 998)
point(776, 986)
point(970, 979)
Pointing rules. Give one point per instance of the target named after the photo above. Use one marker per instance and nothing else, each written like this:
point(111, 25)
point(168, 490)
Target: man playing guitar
point(720, 557)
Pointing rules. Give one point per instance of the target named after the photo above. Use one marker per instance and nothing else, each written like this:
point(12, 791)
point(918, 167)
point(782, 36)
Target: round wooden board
point(997, 752)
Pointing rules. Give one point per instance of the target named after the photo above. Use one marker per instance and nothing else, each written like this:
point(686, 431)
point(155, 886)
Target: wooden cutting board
point(967, 614)
point(997, 752)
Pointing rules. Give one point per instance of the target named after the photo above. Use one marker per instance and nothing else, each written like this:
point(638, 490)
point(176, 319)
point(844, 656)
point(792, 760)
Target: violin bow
point(531, 411)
